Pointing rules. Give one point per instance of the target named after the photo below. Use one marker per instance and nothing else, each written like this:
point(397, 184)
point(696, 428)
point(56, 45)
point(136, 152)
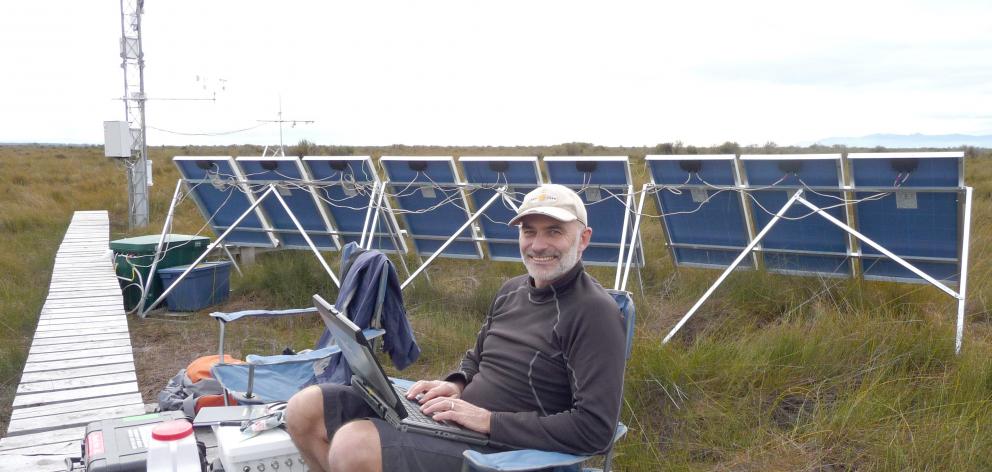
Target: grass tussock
point(773, 373)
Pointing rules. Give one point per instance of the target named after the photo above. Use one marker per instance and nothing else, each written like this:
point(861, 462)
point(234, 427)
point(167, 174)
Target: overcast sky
point(503, 73)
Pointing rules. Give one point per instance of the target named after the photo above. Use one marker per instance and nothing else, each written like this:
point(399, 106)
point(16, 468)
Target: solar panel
point(345, 185)
point(432, 204)
point(292, 183)
point(520, 174)
point(801, 244)
point(604, 184)
point(920, 221)
point(702, 215)
point(219, 190)
point(897, 216)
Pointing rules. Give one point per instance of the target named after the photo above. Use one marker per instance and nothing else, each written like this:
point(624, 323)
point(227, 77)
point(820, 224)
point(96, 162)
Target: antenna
point(133, 63)
point(282, 149)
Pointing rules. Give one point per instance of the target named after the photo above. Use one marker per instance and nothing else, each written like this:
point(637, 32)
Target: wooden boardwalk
point(79, 368)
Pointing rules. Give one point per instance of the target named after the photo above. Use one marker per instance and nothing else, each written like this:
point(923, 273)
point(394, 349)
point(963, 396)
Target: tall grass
point(774, 373)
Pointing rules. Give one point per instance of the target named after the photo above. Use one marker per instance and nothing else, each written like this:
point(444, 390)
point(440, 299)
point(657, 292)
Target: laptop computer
point(369, 380)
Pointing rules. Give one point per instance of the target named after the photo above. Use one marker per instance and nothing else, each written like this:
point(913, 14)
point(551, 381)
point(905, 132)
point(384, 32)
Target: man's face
point(550, 247)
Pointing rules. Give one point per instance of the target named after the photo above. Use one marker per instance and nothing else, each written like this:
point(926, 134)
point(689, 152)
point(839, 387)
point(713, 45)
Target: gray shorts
point(400, 451)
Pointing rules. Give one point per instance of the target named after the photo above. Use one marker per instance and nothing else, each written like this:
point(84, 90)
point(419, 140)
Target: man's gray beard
point(565, 264)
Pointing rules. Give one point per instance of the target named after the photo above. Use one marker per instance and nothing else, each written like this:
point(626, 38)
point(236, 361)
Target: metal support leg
point(142, 308)
point(452, 238)
point(231, 258)
point(306, 237)
point(963, 278)
point(878, 247)
point(373, 205)
point(635, 238)
point(375, 218)
point(733, 265)
point(213, 245)
point(623, 236)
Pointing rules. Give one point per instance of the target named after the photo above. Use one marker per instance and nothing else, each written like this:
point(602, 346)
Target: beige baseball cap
point(556, 201)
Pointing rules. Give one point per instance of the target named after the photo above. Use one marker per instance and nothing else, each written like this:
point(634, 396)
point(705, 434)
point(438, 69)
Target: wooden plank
point(81, 314)
point(80, 319)
point(102, 275)
point(62, 436)
point(83, 294)
point(88, 304)
point(55, 322)
point(80, 332)
point(79, 338)
point(93, 321)
point(79, 346)
point(66, 355)
point(34, 399)
point(77, 405)
point(112, 323)
point(60, 374)
point(107, 322)
point(74, 418)
point(62, 310)
point(65, 448)
point(81, 382)
point(90, 287)
point(85, 306)
point(94, 288)
point(35, 463)
point(70, 363)
point(102, 300)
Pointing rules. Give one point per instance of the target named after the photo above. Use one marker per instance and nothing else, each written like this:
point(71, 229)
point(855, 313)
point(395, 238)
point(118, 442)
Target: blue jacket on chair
point(358, 298)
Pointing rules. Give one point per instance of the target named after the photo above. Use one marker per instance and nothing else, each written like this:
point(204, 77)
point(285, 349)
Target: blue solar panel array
point(217, 186)
point(711, 206)
point(485, 174)
point(343, 184)
point(604, 184)
point(290, 176)
point(702, 215)
point(910, 203)
point(432, 204)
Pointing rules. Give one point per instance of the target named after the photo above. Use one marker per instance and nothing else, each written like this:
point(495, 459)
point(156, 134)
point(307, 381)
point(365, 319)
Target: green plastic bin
point(136, 254)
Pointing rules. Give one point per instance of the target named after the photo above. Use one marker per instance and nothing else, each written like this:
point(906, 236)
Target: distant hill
point(912, 141)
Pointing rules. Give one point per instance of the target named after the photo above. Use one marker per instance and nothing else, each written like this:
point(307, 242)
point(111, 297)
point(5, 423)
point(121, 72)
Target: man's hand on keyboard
point(458, 411)
point(425, 390)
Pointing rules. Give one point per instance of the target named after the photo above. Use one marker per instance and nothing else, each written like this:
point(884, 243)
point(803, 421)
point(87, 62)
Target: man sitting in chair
point(545, 372)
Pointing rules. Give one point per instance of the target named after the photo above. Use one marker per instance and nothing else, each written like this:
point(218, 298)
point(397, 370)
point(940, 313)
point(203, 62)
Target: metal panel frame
point(240, 182)
point(475, 238)
point(393, 230)
point(751, 213)
point(961, 190)
point(654, 187)
point(304, 180)
point(628, 223)
point(510, 185)
point(846, 186)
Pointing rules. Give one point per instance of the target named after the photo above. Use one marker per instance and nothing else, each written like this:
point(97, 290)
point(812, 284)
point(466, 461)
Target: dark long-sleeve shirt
point(549, 364)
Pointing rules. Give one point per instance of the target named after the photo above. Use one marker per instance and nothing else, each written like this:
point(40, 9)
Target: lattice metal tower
point(133, 63)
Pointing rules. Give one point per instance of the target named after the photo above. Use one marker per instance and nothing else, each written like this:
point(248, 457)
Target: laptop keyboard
point(413, 409)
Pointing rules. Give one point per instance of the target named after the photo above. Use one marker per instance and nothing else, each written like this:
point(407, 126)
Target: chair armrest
point(520, 460)
point(309, 355)
point(528, 459)
point(236, 315)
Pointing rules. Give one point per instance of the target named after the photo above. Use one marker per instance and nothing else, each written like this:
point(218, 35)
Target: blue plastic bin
point(207, 284)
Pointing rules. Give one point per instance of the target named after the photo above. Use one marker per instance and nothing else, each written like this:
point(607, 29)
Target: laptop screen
point(356, 350)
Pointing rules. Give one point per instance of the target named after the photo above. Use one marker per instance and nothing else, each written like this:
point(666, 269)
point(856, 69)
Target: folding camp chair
point(264, 379)
point(531, 459)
